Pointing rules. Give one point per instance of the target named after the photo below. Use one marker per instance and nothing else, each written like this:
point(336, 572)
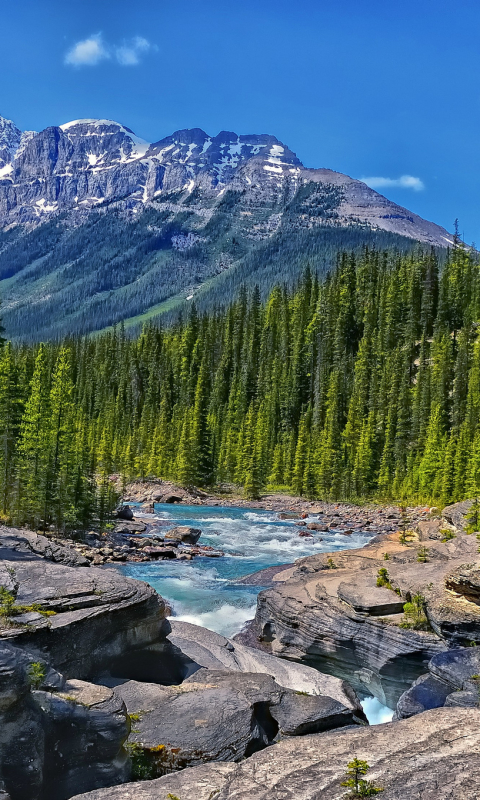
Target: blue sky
point(373, 89)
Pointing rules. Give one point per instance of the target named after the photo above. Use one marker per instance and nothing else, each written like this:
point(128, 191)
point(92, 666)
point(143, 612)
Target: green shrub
point(8, 607)
point(415, 616)
point(7, 602)
point(36, 674)
point(357, 785)
point(422, 555)
point(383, 578)
point(406, 536)
point(447, 534)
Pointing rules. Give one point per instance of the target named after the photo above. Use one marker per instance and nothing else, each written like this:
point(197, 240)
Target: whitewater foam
point(227, 620)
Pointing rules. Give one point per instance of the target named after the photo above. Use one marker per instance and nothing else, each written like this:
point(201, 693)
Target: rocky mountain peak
point(10, 137)
point(86, 162)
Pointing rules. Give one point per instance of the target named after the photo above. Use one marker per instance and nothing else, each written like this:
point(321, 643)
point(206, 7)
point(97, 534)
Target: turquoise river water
point(206, 591)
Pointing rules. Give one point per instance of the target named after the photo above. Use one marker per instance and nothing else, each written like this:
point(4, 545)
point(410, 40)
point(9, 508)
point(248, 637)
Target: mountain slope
point(97, 225)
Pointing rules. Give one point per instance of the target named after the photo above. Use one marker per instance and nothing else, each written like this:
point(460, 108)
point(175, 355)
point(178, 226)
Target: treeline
point(111, 267)
point(364, 385)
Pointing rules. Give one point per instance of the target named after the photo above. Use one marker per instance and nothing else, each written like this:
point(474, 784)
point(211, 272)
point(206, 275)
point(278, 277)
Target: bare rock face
point(56, 740)
point(85, 727)
point(434, 756)
point(330, 612)
point(97, 614)
point(217, 715)
point(87, 162)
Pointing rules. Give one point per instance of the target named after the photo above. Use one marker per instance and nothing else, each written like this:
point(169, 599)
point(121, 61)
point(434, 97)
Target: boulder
point(127, 527)
point(124, 512)
point(453, 680)
point(185, 534)
point(218, 715)
point(60, 738)
point(426, 692)
point(159, 552)
point(94, 616)
point(434, 756)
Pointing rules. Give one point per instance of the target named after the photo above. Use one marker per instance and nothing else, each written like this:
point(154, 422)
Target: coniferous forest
point(364, 385)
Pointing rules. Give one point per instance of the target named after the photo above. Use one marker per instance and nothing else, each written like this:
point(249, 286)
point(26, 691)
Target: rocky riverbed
point(98, 688)
point(137, 538)
point(374, 518)
point(329, 611)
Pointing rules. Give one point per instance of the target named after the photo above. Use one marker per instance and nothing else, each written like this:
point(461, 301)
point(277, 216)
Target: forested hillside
point(366, 384)
point(61, 279)
point(98, 226)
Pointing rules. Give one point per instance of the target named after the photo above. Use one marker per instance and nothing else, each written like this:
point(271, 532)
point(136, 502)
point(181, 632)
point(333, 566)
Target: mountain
point(98, 225)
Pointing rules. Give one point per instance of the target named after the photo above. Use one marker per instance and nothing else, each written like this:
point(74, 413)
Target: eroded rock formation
point(434, 756)
point(329, 611)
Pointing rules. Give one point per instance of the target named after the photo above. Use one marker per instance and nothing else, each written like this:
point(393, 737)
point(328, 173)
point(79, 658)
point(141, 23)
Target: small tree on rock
point(356, 783)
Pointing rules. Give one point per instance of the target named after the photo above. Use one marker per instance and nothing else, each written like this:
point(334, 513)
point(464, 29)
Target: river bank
point(88, 650)
point(140, 538)
point(370, 517)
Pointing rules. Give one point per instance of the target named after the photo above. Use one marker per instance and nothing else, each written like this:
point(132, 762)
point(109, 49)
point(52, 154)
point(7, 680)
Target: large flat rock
point(201, 647)
point(366, 596)
point(221, 716)
point(97, 614)
point(433, 756)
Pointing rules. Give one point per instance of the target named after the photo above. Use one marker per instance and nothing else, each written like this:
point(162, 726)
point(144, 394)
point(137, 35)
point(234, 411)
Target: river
point(206, 591)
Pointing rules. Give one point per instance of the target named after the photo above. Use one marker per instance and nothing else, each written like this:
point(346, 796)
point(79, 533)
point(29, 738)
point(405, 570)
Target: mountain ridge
point(166, 162)
point(105, 225)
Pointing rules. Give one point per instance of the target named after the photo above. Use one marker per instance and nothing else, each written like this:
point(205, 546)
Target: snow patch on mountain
point(10, 137)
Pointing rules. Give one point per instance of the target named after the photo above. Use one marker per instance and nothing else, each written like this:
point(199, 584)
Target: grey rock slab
point(218, 715)
point(16, 544)
point(208, 649)
point(366, 596)
point(432, 756)
point(197, 783)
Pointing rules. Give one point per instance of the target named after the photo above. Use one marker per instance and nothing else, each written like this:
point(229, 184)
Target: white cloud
point(91, 51)
point(88, 52)
point(404, 182)
point(128, 54)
